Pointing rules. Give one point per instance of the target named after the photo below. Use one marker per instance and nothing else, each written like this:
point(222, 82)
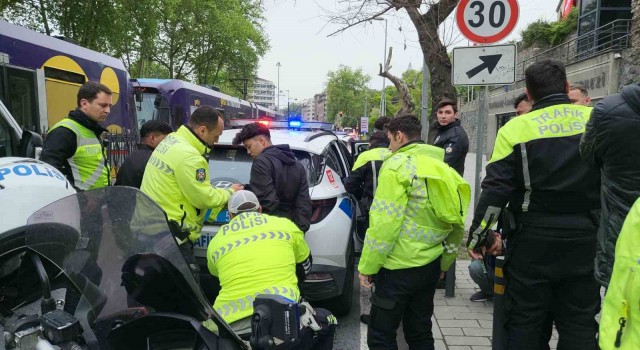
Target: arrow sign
point(484, 65)
point(490, 62)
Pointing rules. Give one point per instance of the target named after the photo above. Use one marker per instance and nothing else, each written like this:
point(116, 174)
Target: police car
point(330, 237)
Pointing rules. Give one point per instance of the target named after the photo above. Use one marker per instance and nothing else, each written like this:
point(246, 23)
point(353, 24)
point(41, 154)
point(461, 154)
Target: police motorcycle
point(101, 270)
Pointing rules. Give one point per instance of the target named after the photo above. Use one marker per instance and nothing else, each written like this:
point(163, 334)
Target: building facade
point(263, 92)
point(320, 104)
point(308, 111)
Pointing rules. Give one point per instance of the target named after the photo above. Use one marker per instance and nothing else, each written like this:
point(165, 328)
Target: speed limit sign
point(487, 21)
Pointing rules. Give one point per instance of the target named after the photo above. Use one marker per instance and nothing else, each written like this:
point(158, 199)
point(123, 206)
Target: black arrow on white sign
point(489, 61)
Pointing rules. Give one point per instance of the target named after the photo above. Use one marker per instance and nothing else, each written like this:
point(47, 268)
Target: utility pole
point(278, 65)
point(384, 80)
point(424, 117)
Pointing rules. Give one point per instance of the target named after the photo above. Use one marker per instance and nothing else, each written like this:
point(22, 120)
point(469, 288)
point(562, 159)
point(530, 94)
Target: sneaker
point(479, 296)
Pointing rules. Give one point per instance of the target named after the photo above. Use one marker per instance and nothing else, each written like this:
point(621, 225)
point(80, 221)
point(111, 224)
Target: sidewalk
point(461, 324)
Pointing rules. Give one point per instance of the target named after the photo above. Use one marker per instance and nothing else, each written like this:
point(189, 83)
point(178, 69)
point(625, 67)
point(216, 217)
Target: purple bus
point(40, 76)
point(173, 101)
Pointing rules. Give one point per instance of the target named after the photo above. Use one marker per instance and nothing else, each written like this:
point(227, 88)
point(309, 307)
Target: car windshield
point(229, 164)
point(115, 247)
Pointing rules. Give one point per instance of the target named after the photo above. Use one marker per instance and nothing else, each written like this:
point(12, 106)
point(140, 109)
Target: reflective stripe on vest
point(88, 163)
point(247, 302)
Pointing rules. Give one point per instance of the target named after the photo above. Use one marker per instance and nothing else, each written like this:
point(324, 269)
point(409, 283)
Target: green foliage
point(203, 41)
point(346, 92)
point(545, 33)
point(349, 122)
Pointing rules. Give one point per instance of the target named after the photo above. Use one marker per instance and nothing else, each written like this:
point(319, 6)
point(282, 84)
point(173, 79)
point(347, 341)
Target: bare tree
point(406, 102)
point(426, 16)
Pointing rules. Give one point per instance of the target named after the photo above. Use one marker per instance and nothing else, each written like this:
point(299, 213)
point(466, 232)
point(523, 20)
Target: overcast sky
point(298, 32)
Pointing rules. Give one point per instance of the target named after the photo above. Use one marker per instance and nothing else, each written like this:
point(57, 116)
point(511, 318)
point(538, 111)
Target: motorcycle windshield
point(116, 249)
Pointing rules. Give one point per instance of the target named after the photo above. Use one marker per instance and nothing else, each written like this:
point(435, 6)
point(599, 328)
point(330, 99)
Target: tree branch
point(349, 25)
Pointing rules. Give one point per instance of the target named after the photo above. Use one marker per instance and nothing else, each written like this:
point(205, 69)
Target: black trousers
point(403, 295)
point(549, 274)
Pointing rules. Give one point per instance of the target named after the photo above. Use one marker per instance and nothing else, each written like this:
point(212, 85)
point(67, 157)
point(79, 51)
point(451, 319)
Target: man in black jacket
point(611, 144)
point(132, 170)
point(451, 135)
point(278, 179)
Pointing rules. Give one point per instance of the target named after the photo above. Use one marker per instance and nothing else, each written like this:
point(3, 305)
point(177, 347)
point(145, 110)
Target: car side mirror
point(139, 96)
point(30, 144)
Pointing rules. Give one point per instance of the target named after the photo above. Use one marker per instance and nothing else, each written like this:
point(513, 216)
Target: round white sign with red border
point(487, 21)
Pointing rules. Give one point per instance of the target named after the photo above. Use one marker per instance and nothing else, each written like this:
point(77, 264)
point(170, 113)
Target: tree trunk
point(635, 34)
point(435, 53)
point(406, 102)
point(45, 20)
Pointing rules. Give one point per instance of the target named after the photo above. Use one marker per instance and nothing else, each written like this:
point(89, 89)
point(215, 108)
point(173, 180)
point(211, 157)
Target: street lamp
point(278, 65)
point(383, 95)
point(282, 93)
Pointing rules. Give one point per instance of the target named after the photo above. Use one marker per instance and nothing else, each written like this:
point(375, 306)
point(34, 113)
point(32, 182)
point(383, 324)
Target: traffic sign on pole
point(484, 65)
point(487, 21)
point(364, 125)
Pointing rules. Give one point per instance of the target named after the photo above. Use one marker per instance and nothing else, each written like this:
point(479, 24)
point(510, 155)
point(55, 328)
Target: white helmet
point(27, 185)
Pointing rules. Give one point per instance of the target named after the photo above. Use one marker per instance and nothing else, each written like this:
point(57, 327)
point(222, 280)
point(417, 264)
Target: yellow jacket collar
point(188, 134)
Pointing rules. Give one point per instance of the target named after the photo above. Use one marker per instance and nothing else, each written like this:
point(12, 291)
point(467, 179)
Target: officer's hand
point(473, 254)
point(237, 187)
point(365, 280)
point(442, 274)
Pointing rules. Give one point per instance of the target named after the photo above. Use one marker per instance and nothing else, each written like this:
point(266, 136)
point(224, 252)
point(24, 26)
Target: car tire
point(341, 305)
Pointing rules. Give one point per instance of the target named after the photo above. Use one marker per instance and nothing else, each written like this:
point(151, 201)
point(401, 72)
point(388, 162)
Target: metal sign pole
point(480, 136)
point(424, 119)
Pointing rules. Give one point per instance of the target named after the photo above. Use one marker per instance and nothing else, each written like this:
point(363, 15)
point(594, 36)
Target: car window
point(333, 160)
point(228, 163)
point(346, 155)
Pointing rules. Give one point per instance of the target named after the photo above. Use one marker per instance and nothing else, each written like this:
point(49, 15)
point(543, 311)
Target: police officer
point(421, 206)
point(268, 255)
point(363, 181)
point(451, 135)
point(74, 145)
point(177, 178)
point(536, 169)
point(620, 319)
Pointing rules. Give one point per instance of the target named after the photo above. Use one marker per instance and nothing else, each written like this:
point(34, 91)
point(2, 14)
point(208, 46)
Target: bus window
point(146, 109)
point(21, 99)
point(6, 145)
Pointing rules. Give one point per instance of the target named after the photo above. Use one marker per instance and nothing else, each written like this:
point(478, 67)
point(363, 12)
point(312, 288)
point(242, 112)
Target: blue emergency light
point(295, 123)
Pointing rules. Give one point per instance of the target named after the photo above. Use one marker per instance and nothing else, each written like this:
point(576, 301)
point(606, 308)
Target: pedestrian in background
point(132, 170)
point(451, 135)
point(578, 94)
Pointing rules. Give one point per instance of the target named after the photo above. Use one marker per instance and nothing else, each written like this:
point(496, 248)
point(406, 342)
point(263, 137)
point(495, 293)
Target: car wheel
point(341, 305)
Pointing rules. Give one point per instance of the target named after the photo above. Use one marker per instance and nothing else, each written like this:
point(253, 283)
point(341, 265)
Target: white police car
point(330, 236)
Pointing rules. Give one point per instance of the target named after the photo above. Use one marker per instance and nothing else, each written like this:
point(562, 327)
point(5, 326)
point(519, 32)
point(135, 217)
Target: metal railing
point(119, 146)
point(613, 36)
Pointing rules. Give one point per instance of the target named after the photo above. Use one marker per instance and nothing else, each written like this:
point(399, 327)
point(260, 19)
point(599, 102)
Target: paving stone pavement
point(461, 324)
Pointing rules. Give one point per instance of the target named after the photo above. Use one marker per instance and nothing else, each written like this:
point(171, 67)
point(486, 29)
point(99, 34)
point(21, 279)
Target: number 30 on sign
point(487, 21)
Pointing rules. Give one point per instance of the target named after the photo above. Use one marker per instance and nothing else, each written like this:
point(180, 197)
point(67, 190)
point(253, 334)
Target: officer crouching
point(257, 254)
